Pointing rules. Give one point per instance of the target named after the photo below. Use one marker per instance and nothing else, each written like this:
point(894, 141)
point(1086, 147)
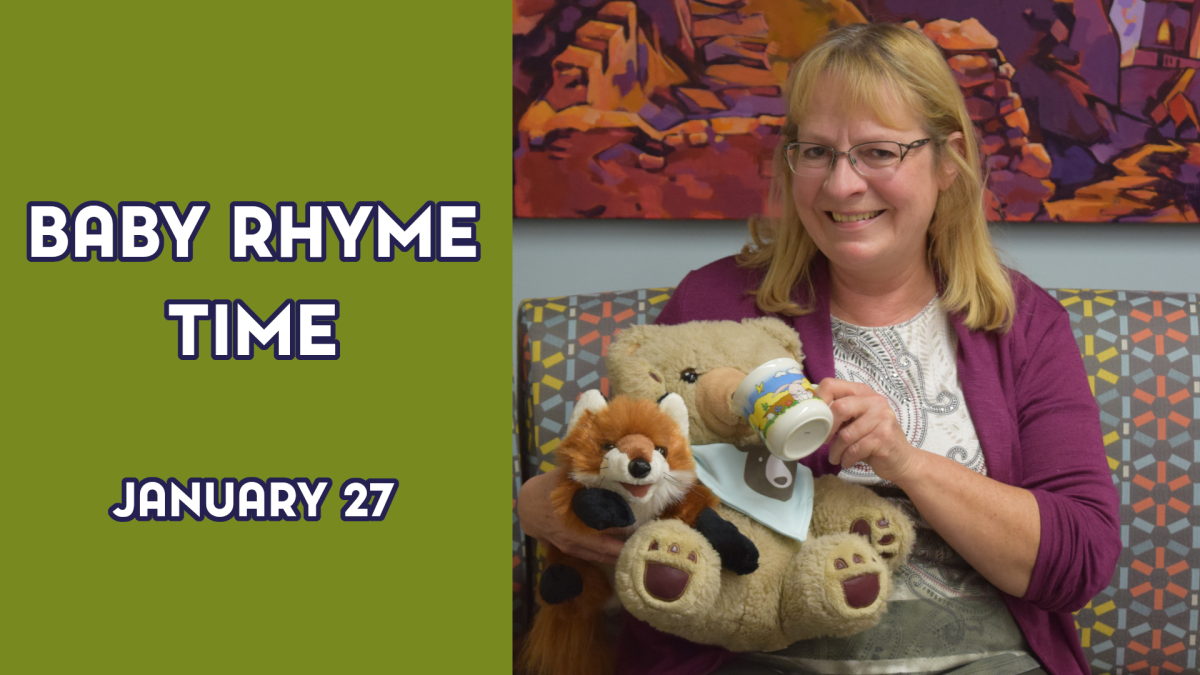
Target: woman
point(956, 386)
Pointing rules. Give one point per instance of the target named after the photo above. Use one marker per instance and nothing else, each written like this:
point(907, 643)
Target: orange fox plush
point(623, 464)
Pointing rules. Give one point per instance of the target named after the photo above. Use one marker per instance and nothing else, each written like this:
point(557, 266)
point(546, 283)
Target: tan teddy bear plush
point(833, 583)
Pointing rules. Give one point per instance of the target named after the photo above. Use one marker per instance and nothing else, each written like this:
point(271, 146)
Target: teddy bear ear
point(780, 332)
point(589, 401)
point(630, 340)
point(675, 408)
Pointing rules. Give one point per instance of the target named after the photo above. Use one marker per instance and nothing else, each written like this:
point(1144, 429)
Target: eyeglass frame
point(905, 149)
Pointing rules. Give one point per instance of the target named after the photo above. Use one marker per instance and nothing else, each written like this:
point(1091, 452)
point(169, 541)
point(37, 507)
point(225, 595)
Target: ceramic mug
point(782, 407)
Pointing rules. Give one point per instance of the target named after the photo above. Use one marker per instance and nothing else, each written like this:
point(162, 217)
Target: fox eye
point(690, 376)
point(608, 446)
point(661, 450)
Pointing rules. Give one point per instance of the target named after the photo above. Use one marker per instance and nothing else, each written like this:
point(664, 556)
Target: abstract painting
point(1085, 110)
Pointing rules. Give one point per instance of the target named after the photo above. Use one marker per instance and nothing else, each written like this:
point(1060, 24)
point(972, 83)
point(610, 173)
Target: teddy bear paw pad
point(856, 571)
point(879, 534)
point(861, 591)
point(665, 582)
point(667, 572)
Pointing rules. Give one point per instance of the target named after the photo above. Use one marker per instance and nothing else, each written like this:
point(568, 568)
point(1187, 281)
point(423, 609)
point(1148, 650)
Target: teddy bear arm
point(738, 554)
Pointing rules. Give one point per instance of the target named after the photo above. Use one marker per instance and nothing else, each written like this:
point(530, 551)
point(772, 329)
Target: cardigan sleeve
point(672, 313)
point(1064, 465)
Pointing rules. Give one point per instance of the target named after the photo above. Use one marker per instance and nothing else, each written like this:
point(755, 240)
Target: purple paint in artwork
point(662, 15)
point(1093, 37)
point(1064, 53)
point(611, 164)
point(1021, 195)
point(1139, 85)
point(661, 118)
point(1156, 14)
point(569, 20)
point(753, 106)
point(1022, 28)
point(616, 152)
point(1189, 174)
point(1126, 17)
point(625, 81)
point(1074, 166)
point(1128, 133)
point(708, 111)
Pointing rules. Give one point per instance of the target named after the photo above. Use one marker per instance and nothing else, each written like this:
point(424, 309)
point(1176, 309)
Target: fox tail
point(571, 637)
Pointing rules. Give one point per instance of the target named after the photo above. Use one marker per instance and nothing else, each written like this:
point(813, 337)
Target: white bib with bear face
point(776, 493)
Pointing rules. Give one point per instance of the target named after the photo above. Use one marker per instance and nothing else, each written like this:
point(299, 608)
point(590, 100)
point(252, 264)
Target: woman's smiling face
point(873, 226)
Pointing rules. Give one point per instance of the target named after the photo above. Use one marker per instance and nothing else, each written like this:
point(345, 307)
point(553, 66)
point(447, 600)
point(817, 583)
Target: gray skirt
point(942, 617)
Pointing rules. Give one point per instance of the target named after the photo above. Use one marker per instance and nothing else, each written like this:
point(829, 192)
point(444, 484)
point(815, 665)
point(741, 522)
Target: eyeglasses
point(877, 158)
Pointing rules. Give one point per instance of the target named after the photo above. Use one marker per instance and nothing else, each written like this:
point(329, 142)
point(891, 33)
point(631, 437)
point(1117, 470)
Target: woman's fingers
point(847, 409)
point(883, 446)
point(864, 448)
point(864, 428)
point(846, 400)
point(857, 434)
point(831, 389)
point(539, 520)
point(600, 548)
point(534, 507)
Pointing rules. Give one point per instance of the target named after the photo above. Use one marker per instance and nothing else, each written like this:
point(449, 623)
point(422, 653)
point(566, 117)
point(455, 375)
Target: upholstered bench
point(1142, 354)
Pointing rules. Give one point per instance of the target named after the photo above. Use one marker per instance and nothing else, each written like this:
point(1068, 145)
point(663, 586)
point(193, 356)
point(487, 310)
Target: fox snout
point(635, 458)
point(639, 468)
point(637, 448)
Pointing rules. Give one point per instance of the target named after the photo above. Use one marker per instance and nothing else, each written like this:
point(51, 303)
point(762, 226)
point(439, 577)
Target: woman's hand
point(950, 497)
point(865, 429)
point(538, 520)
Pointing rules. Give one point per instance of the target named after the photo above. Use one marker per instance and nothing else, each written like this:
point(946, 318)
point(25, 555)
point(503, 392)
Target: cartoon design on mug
point(782, 407)
point(791, 388)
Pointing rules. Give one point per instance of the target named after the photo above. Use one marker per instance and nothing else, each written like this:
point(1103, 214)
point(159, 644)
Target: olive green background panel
point(401, 103)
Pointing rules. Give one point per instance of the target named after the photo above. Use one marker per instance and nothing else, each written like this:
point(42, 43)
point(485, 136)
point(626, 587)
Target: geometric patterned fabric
point(561, 345)
point(1142, 354)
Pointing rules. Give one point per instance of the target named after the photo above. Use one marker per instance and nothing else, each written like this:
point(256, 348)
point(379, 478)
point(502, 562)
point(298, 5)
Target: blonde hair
point(882, 65)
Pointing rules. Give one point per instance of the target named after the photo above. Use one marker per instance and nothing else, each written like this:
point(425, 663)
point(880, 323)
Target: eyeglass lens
point(811, 159)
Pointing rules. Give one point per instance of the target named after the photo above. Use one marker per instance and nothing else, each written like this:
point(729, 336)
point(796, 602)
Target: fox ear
point(676, 409)
point(591, 401)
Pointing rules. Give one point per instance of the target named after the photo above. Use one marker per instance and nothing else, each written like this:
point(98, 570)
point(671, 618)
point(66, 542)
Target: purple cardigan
point(1037, 422)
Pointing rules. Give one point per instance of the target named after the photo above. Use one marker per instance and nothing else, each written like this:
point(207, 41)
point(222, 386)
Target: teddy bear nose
point(639, 468)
